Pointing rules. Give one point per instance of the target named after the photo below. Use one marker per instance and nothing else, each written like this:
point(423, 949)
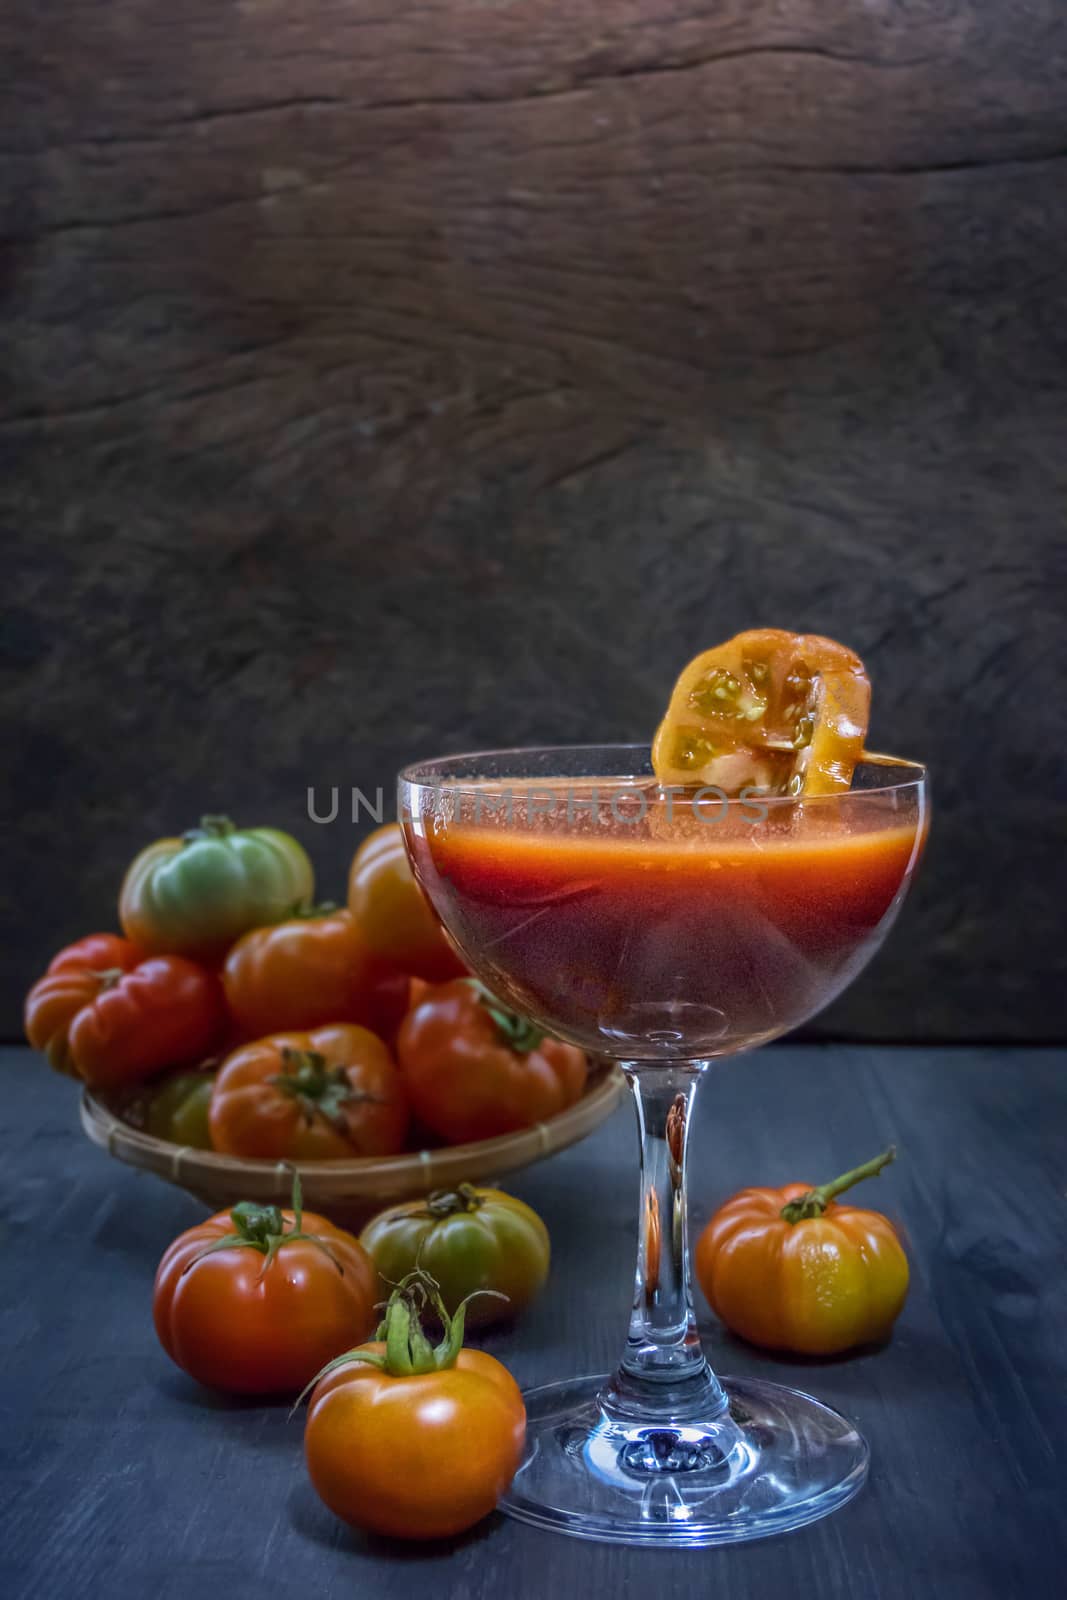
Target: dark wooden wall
point(380, 378)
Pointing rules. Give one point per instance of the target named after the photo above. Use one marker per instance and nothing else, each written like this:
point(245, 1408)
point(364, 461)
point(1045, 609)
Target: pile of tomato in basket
point(235, 1013)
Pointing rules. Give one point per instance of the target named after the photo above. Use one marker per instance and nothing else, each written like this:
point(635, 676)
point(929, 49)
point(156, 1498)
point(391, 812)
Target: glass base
point(775, 1460)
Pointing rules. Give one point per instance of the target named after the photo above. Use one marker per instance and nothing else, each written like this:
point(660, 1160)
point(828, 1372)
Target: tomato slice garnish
point(782, 712)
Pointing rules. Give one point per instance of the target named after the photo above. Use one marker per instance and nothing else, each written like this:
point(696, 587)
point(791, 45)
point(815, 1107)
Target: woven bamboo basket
point(348, 1192)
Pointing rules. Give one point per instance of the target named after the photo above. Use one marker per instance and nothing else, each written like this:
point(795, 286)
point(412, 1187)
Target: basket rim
point(207, 1169)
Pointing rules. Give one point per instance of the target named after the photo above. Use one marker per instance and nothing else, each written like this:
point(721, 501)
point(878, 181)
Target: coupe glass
point(664, 930)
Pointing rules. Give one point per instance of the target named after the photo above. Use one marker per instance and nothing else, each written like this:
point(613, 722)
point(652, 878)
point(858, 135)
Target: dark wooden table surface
point(123, 1478)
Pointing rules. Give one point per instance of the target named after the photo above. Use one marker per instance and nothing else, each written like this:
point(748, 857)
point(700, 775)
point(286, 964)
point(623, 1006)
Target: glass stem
point(664, 1369)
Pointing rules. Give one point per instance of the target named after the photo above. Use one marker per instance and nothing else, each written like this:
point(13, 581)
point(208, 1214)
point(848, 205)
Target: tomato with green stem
point(196, 894)
point(473, 1069)
point(328, 1093)
point(257, 1299)
point(409, 1439)
point(468, 1240)
point(794, 1269)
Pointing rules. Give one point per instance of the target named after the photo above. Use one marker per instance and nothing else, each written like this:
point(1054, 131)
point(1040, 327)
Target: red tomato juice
point(663, 936)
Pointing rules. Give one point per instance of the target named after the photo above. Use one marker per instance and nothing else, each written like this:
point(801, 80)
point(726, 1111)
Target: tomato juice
point(625, 921)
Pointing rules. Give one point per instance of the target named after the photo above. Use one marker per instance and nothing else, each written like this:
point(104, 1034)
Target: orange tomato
point(792, 1269)
point(308, 971)
point(331, 1093)
point(256, 1300)
point(473, 1070)
point(781, 712)
point(105, 1013)
point(411, 1440)
point(393, 914)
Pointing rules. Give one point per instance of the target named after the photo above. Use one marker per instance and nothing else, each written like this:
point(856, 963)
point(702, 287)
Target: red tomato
point(309, 971)
point(473, 1070)
point(333, 1093)
point(126, 1021)
point(264, 1314)
point(81, 971)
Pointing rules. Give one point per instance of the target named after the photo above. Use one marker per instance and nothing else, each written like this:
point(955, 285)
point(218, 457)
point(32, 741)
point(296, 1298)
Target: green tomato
point(195, 895)
point(468, 1239)
point(178, 1109)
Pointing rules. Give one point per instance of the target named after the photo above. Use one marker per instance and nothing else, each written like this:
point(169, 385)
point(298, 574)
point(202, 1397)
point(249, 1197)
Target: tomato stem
point(318, 1087)
point(107, 977)
point(262, 1228)
point(408, 1353)
point(407, 1349)
point(447, 1202)
point(518, 1033)
point(211, 827)
point(815, 1202)
point(308, 911)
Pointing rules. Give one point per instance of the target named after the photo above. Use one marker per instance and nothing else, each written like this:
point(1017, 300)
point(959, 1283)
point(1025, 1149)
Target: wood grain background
point(377, 379)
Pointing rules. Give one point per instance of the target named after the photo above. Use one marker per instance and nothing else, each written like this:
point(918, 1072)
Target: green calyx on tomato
point(107, 977)
point(408, 1352)
point(262, 1228)
point(211, 827)
point(407, 1349)
point(447, 1202)
point(815, 1202)
point(319, 1088)
point(518, 1033)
